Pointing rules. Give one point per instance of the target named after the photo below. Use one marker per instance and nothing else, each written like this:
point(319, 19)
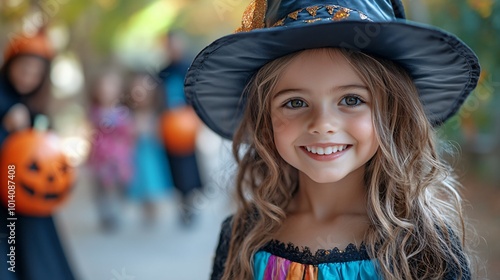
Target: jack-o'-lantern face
point(42, 176)
point(44, 180)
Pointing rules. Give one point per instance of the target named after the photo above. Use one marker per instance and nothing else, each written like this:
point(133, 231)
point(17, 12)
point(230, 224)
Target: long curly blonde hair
point(417, 227)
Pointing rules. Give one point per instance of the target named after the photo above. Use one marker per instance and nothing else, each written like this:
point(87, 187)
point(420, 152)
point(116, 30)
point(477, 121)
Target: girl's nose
point(323, 122)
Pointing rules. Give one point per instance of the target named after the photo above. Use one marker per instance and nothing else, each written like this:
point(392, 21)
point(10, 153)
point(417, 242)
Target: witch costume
point(444, 69)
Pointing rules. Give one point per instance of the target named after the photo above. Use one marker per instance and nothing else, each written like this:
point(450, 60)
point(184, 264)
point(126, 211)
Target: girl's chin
point(24, 90)
point(324, 178)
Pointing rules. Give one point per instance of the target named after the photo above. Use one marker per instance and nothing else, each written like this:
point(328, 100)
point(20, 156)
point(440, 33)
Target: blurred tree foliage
point(107, 15)
point(476, 22)
point(94, 24)
point(477, 125)
point(90, 23)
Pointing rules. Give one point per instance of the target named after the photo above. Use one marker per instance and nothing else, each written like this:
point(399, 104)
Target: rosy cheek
point(365, 123)
point(367, 129)
point(369, 133)
point(279, 122)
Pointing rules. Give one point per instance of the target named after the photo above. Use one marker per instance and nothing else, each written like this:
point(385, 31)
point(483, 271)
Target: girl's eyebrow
point(287, 90)
point(338, 88)
point(349, 87)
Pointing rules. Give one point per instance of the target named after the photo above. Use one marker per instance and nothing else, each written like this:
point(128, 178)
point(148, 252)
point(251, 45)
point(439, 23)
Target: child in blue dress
point(152, 180)
point(332, 107)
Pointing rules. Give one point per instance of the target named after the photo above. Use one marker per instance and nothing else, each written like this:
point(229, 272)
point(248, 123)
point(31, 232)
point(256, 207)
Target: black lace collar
point(295, 254)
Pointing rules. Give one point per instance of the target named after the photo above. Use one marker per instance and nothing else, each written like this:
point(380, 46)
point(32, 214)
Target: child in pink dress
point(110, 159)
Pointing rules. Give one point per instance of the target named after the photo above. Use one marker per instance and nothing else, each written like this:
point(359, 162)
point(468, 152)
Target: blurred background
point(112, 229)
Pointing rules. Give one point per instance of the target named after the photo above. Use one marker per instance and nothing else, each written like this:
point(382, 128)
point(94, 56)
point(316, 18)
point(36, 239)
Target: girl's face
point(321, 117)
point(26, 73)
point(109, 89)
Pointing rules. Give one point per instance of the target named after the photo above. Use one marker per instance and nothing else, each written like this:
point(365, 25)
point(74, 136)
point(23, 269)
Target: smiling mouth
point(325, 151)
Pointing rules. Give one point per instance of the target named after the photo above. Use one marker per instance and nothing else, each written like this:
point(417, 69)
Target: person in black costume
point(38, 250)
point(185, 172)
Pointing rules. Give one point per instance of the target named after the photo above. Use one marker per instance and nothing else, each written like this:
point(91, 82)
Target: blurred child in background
point(110, 158)
point(23, 92)
point(184, 166)
point(23, 75)
point(152, 178)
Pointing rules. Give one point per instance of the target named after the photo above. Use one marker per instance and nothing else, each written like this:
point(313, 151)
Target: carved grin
point(47, 196)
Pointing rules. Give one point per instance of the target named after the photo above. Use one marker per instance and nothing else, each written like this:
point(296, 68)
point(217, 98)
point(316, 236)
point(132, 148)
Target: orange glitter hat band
point(254, 16)
point(255, 13)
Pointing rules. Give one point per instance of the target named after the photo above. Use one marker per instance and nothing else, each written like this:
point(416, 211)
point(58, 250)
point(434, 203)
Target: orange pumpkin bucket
point(36, 175)
point(178, 129)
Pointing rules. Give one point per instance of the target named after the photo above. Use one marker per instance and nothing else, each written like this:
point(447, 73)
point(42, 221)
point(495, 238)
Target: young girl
point(339, 177)
point(110, 159)
point(152, 179)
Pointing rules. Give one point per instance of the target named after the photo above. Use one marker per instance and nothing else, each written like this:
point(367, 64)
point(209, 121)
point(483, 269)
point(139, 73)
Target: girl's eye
point(351, 101)
point(295, 103)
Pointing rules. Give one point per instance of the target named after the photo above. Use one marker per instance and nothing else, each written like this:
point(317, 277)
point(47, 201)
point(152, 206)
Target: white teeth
point(326, 150)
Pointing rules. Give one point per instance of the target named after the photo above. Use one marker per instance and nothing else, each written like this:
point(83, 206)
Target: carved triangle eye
point(34, 166)
point(64, 168)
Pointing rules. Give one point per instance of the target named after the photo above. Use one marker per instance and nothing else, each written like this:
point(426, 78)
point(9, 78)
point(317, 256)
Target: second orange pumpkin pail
point(178, 128)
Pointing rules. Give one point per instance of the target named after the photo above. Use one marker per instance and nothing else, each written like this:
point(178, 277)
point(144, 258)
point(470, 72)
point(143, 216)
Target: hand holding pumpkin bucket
point(36, 176)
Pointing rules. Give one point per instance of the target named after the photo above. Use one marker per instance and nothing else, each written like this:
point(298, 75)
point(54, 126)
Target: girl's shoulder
point(222, 249)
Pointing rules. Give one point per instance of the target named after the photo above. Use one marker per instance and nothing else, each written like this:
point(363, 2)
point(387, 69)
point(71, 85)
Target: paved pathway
point(165, 251)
